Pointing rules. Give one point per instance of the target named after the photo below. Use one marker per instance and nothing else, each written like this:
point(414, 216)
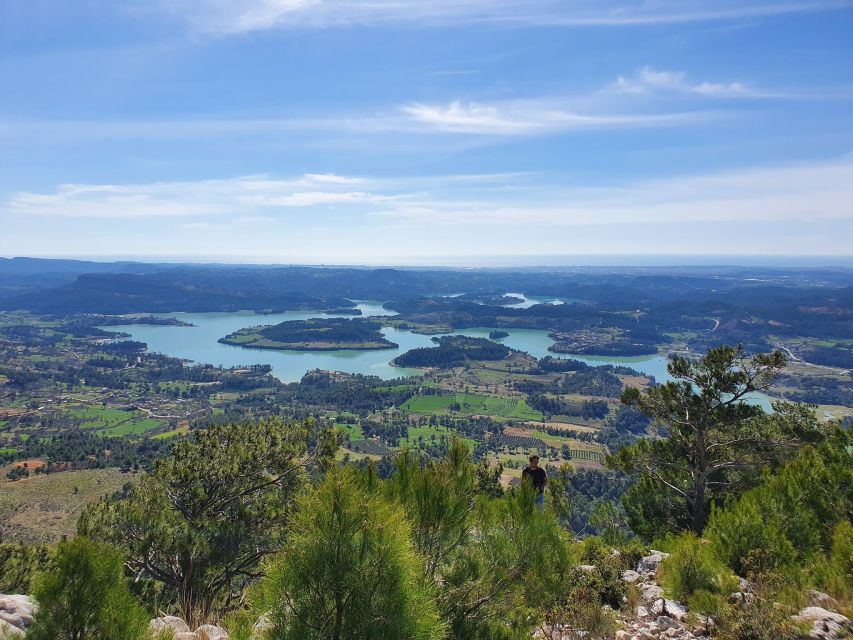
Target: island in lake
point(317, 334)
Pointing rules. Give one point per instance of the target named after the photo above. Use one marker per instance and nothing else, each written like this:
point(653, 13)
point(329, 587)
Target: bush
point(788, 520)
point(86, 596)
point(834, 573)
point(693, 568)
point(349, 570)
point(19, 565)
point(606, 578)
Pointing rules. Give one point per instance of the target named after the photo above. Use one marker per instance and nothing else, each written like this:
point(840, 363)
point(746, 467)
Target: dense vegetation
point(453, 351)
point(315, 334)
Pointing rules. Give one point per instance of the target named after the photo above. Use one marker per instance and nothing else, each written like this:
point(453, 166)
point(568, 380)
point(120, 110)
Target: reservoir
point(199, 344)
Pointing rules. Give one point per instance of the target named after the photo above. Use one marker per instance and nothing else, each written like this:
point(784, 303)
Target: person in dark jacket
point(536, 475)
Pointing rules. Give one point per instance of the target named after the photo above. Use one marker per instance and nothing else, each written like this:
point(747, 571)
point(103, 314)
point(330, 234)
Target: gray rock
point(822, 600)
point(630, 576)
point(587, 568)
point(211, 632)
point(17, 610)
point(173, 623)
point(665, 622)
point(670, 608)
point(650, 592)
point(826, 625)
point(651, 562)
point(641, 612)
point(186, 635)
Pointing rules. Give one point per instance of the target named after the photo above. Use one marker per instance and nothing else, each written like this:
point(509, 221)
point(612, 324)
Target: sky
point(425, 131)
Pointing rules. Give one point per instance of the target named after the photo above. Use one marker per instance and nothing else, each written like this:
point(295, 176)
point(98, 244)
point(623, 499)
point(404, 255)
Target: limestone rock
point(211, 632)
point(651, 562)
point(17, 610)
point(650, 592)
point(173, 623)
point(665, 622)
point(9, 631)
point(630, 576)
point(826, 625)
point(822, 600)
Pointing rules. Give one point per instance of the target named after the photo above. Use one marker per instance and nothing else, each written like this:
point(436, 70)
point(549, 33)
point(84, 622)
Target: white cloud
point(772, 195)
point(246, 195)
point(240, 16)
point(648, 81)
point(528, 118)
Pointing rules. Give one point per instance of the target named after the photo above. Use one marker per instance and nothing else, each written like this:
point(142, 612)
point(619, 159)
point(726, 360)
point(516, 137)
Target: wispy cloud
point(240, 16)
point(246, 196)
point(529, 118)
point(648, 80)
point(772, 195)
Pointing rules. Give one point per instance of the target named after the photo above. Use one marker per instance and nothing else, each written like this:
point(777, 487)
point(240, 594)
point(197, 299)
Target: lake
point(199, 344)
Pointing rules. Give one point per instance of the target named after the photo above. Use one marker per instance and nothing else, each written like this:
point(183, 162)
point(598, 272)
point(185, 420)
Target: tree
point(201, 522)
point(86, 597)
point(493, 562)
point(715, 442)
point(349, 570)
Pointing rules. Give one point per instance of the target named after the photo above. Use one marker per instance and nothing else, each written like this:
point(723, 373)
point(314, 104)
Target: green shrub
point(348, 570)
point(19, 564)
point(86, 596)
point(606, 579)
point(834, 573)
point(692, 568)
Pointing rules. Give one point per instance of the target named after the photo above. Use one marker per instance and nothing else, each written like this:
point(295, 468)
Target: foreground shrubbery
point(86, 596)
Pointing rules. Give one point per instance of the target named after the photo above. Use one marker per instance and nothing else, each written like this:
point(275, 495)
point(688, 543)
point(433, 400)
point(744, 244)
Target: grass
point(7, 451)
point(43, 508)
point(473, 404)
point(135, 427)
point(427, 434)
point(171, 434)
point(353, 430)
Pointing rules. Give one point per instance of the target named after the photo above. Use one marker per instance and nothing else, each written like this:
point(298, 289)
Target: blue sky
point(416, 131)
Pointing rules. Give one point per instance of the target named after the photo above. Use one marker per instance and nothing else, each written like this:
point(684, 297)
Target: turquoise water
point(199, 344)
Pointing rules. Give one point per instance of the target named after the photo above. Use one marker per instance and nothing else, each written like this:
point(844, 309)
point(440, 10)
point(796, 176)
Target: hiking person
point(538, 478)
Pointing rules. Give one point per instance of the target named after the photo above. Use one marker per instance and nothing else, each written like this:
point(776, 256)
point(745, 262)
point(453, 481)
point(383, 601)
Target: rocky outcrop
point(651, 562)
point(181, 630)
point(826, 625)
point(16, 614)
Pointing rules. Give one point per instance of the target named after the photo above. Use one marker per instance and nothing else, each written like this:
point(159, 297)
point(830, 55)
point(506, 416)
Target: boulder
point(630, 576)
point(186, 635)
point(211, 632)
point(826, 625)
point(641, 612)
point(665, 622)
point(650, 592)
point(17, 610)
point(172, 623)
point(10, 632)
point(670, 608)
point(822, 600)
point(650, 563)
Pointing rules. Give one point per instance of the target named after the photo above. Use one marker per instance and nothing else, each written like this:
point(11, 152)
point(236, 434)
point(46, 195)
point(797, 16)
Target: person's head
point(534, 461)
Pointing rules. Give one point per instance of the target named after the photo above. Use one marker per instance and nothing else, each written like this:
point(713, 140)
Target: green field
point(115, 422)
point(134, 427)
point(428, 434)
point(353, 430)
point(180, 431)
point(472, 404)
